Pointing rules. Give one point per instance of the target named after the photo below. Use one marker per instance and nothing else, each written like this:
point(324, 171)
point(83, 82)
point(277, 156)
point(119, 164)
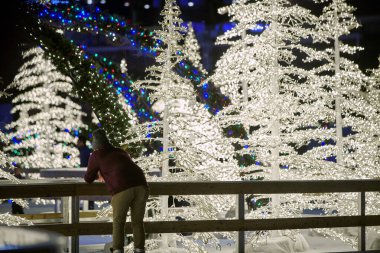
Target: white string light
point(192, 140)
point(7, 218)
point(192, 49)
point(293, 108)
point(46, 116)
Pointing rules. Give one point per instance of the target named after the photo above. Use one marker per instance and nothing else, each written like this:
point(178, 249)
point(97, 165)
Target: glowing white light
point(191, 49)
point(190, 4)
point(190, 135)
point(159, 106)
point(255, 72)
point(126, 4)
point(89, 2)
point(46, 132)
point(147, 6)
point(123, 66)
point(102, 1)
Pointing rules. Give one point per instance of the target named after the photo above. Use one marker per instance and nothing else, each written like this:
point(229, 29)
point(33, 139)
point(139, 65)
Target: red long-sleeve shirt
point(117, 169)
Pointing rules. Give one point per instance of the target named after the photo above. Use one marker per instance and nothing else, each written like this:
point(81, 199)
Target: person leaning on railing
point(127, 184)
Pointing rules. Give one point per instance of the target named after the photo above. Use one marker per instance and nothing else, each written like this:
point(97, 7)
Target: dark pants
point(135, 199)
point(17, 209)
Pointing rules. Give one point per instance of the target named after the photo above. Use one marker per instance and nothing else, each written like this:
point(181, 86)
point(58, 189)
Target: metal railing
point(71, 190)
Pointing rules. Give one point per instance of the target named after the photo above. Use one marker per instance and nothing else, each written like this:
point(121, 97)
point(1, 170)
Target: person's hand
point(100, 177)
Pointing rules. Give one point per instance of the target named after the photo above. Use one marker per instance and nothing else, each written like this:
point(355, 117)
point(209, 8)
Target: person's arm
point(100, 177)
point(92, 169)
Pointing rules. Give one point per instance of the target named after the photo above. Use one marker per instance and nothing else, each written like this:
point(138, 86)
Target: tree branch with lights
point(117, 30)
point(90, 86)
point(193, 145)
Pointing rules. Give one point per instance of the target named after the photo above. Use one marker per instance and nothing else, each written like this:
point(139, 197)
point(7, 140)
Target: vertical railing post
point(241, 234)
point(70, 213)
point(74, 220)
point(85, 205)
point(65, 209)
point(362, 234)
point(57, 205)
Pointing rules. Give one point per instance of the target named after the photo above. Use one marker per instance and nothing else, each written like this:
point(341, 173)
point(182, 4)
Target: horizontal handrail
point(104, 228)
point(46, 216)
point(74, 188)
point(61, 188)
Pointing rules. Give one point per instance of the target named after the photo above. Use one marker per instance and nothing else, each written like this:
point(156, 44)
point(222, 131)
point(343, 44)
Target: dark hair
point(100, 139)
point(82, 138)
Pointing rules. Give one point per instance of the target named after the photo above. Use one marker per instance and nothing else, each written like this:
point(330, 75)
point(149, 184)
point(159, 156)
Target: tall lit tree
point(193, 145)
point(192, 49)
point(265, 84)
point(354, 144)
point(297, 108)
point(46, 116)
point(347, 85)
point(276, 99)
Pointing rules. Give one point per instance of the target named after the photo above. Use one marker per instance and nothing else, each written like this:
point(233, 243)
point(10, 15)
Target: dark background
point(14, 38)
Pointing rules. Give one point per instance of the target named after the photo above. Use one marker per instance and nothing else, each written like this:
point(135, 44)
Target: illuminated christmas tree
point(192, 143)
point(260, 74)
point(347, 87)
point(192, 49)
point(272, 97)
point(296, 129)
point(351, 115)
point(46, 116)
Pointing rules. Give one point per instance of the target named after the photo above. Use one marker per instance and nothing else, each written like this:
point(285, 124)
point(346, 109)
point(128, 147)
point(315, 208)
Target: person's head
point(100, 139)
point(17, 170)
point(81, 141)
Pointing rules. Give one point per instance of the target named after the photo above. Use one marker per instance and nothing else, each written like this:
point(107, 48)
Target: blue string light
point(138, 37)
